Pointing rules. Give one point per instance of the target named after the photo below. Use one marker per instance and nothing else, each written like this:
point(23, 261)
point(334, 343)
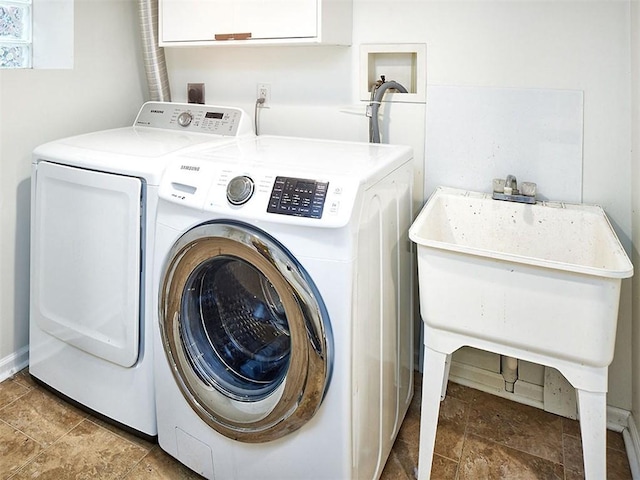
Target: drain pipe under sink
point(153, 55)
point(509, 370)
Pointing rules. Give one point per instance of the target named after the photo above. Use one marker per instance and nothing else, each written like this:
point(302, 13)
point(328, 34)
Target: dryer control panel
point(194, 118)
point(298, 196)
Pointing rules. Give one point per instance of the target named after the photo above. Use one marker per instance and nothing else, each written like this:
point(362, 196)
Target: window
point(36, 34)
point(15, 34)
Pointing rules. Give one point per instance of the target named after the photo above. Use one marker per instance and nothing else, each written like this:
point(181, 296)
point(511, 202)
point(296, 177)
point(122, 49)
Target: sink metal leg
point(592, 407)
point(435, 369)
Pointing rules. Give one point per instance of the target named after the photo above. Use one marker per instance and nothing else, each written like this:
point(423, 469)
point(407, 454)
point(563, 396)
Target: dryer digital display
point(300, 197)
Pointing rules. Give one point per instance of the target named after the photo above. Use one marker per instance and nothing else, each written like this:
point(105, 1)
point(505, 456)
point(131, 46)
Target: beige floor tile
point(25, 379)
point(405, 449)
point(411, 423)
point(42, 416)
point(452, 422)
point(455, 390)
point(572, 453)
point(146, 444)
point(617, 465)
point(16, 449)
point(414, 406)
point(517, 426)
point(410, 428)
point(614, 439)
point(87, 452)
point(157, 465)
point(11, 390)
point(407, 454)
point(570, 427)
point(443, 468)
point(484, 459)
point(451, 427)
point(571, 475)
point(394, 469)
point(617, 461)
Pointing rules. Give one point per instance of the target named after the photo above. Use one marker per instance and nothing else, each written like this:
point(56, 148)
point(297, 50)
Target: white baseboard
point(632, 445)
point(13, 363)
point(617, 418)
point(492, 382)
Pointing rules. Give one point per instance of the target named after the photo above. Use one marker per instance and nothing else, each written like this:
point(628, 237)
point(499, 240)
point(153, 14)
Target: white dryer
point(94, 201)
point(284, 286)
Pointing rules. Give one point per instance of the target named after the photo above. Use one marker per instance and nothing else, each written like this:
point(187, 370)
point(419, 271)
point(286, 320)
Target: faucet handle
point(498, 185)
point(528, 188)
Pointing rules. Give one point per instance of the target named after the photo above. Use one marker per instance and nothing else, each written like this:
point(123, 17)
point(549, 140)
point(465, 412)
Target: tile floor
point(480, 436)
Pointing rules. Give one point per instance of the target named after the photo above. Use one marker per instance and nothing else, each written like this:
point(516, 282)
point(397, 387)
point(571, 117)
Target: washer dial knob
point(184, 119)
point(240, 189)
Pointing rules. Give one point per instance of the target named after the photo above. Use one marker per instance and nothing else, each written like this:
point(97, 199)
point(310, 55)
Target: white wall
point(104, 89)
point(635, 183)
point(574, 45)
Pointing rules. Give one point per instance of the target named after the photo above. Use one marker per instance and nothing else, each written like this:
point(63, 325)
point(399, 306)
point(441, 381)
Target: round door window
point(245, 332)
point(234, 329)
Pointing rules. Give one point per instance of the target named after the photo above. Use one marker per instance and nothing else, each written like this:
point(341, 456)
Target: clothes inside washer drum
point(247, 330)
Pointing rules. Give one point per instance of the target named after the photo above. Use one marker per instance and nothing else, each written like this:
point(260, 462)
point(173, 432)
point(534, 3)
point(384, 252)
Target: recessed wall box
point(406, 63)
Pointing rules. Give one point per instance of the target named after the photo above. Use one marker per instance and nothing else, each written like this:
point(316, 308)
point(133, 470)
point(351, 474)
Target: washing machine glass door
point(245, 332)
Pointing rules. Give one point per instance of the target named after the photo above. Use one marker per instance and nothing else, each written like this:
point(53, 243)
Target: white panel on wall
point(53, 33)
point(475, 134)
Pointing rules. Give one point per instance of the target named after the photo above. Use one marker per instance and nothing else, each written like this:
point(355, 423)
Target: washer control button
point(239, 190)
point(184, 119)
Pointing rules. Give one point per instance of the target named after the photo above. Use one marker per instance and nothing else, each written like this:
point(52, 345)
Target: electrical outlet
point(264, 91)
point(195, 93)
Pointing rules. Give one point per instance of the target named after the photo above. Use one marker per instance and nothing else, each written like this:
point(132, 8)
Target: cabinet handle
point(232, 36)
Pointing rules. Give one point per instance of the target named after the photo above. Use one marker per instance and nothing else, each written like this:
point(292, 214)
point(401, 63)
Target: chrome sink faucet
point(508, 190)
point(511, 185)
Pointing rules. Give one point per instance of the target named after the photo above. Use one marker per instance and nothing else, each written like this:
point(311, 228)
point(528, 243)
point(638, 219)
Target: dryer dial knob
point(239, 190)
point(184, 119)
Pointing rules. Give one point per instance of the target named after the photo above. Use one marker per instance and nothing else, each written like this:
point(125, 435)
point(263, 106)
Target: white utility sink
point(543, 277)
point(538, 282)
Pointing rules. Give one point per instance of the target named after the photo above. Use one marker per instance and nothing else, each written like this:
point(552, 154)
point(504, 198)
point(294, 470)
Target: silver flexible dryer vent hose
point(153, 55)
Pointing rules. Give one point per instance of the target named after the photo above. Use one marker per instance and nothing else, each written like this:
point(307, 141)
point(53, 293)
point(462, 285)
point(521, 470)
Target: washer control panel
point(255, 193)
point(300, 197)
point(190, 117)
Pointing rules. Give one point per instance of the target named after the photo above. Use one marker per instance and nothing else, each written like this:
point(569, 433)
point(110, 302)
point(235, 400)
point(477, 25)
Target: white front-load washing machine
point(93, 203)
point(284, 292)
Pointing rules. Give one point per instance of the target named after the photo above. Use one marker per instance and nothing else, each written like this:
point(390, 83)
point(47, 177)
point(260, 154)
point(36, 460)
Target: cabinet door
point(276, 18)
point(195, 20)
point(202, 20)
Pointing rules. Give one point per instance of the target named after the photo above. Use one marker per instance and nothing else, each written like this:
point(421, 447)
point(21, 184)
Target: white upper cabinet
point(253, 22)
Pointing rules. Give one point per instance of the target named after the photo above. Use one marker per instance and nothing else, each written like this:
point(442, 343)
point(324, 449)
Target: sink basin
point(543, 278)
